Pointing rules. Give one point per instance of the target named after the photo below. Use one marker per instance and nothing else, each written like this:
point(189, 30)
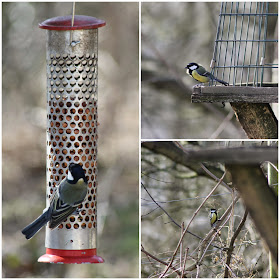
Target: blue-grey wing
point(209, 75)
point(60, 212)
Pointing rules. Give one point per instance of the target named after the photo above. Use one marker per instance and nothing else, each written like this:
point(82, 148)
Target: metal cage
point(72, 58)
point(246, 45)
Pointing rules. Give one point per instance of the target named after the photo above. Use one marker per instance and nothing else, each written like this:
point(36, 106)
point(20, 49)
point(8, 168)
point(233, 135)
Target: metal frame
point(240, 51)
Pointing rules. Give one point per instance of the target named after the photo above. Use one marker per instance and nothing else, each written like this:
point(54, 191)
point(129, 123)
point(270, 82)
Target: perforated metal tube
point(72, 128)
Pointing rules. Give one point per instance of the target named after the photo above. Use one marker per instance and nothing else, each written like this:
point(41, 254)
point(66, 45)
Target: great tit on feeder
point(199, 73)
point(70, 193)
point(213, 217)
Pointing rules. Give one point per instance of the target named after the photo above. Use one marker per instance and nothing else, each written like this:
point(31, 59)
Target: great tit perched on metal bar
point(70, 193)
point(199, 73)
point(213, 217)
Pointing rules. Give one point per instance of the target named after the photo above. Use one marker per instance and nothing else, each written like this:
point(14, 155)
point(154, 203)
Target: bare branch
point(160, 207)
point(167, 213)
point(160, 261)
point(219, 224)
point(185, 260)
point(232, 155)
point(231, 247)
point(177, 248)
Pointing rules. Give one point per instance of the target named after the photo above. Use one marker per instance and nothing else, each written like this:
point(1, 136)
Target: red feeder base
point(70, 256)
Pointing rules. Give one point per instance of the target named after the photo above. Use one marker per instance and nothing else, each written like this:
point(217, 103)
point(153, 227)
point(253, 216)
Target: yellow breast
point(213, 218)
point(199, 78)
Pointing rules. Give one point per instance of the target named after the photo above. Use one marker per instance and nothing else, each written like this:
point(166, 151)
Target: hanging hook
point(73, 43)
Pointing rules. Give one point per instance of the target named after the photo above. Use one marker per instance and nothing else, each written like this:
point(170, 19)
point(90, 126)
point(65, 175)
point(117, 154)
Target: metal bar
point(252, 45)
point(256, 73)
point(73, 13)
point(249, 66)
point(213, 62)
point(248, 14)
point(255, 40)
point(72, 22)
point(222, 34)
point(217, 37)
point(238, 50)
point(223, 6)
point(233, 52)
point(219, 33)
point(228, 31)
point(241, 30)
point(245, 48)
point(264, 44)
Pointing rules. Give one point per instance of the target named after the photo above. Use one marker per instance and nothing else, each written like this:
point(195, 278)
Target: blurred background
point(180, 190)
point(173, 35)
point(24, 138)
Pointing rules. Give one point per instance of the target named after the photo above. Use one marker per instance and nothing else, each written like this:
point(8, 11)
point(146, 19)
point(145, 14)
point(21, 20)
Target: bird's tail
point(35, 226)
point(221, 81)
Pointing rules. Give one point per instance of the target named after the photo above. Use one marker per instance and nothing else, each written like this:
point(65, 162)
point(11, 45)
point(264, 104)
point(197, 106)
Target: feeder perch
point(72, 55)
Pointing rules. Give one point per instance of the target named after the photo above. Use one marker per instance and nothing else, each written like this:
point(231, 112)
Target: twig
point(273, 165)
point(204, 167)
point(230, 249)
point(181, 247)
point(168, 214)
point(149, 212)
point(230, 270)
point(216, 231)
point(156, 179)
point(206, 243)
point(214, 177)
point(197, 270)
point(160, 207)
point(222, 126)
point(160, 261)
point(149, 258)
point(185, 260)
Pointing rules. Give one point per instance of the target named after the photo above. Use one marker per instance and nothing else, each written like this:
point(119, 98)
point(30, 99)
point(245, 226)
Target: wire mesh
point(245, 51)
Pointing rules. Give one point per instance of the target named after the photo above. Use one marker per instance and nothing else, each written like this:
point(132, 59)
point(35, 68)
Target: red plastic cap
point(70, 256)
point(65, 23)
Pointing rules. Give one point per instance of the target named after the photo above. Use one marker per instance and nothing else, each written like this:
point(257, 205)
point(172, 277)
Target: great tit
point(213, 217)
point(70, 193)
point(199, 73)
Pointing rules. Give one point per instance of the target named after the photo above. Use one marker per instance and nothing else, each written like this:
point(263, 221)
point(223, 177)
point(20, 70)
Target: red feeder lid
point(65, 23)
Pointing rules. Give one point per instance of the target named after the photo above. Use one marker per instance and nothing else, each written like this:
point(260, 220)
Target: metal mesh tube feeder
point(72, 60)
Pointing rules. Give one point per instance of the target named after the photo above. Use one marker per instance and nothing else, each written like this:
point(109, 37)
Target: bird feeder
point(246, 56)
point(72, 59)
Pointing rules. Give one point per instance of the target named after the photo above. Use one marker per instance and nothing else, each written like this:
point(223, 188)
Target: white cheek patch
point(193, 67)
point(69, 176)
